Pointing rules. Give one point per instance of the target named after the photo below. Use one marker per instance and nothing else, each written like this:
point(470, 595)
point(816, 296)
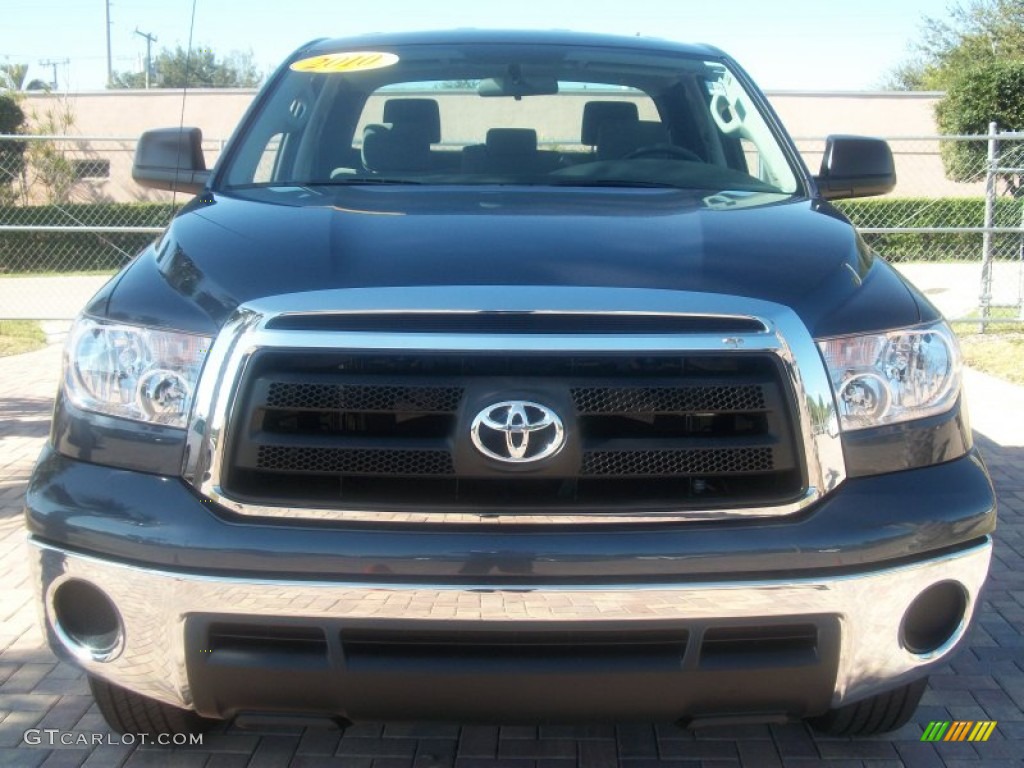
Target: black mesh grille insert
point(353, 461)
point(391, 432)
point(668, 399)
point(363, 398)
point(713, 461)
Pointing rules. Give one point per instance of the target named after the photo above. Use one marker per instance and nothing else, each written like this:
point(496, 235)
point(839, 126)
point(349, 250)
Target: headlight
point(891, 377)
point(133, 372)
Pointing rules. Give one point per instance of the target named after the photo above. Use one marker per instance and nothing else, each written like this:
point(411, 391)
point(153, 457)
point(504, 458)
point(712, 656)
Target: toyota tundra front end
point(510, 376)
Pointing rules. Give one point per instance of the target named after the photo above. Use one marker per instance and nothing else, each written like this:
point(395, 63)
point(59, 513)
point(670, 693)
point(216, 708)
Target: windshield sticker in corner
point(356, 61)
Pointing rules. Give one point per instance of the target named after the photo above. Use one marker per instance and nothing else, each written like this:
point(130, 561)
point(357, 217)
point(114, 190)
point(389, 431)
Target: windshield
point(449, 114)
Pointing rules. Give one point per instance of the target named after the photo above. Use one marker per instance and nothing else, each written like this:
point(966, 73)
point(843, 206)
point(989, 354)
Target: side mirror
point(171, 158)
point(855, 166)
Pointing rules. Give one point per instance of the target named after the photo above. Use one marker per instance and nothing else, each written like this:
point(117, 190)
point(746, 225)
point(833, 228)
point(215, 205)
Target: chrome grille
point(707, 340)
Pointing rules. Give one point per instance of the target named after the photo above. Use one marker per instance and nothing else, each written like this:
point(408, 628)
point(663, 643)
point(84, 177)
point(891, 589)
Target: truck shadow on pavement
point(25, 416)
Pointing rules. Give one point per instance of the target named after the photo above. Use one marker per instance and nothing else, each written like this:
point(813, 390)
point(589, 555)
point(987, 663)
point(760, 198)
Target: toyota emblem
point(517, 432)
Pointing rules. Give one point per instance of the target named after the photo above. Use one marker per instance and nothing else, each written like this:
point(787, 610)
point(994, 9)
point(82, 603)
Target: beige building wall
point(111, 121)
point(810, 116)
point(882, 113)
point(120, 116)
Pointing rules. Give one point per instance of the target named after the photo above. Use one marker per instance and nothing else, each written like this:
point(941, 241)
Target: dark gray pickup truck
point(509, 376)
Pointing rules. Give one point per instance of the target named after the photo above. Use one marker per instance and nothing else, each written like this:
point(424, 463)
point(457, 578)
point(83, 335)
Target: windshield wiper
point(307, 183)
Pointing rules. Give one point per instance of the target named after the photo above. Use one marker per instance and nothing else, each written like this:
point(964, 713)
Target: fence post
point(990, 216)
point(1020, 270)
point(1020, 251)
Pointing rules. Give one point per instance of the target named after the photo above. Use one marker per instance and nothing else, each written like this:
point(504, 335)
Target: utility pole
point(110, 65)
point(150, 39)
point(53, 64)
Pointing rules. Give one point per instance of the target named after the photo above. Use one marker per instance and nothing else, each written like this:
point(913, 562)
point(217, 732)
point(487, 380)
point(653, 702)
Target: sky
point(783, 44)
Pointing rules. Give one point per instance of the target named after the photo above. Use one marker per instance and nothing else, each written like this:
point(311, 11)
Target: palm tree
point(13, 76)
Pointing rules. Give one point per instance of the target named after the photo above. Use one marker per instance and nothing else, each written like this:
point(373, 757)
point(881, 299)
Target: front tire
point(878, 714)
point(129, 712)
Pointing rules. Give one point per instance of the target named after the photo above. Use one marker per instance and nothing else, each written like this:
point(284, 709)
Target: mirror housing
point(855, 166)
point(516, 87)
point(171, 158)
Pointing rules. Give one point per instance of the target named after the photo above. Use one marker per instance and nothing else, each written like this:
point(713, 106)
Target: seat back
point(402, 142)
point(416, 117)
point(507, 150)
point(596, 113)
point(395, 149)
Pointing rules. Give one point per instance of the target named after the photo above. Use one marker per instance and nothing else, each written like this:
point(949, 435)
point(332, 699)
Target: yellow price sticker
point(356, 61)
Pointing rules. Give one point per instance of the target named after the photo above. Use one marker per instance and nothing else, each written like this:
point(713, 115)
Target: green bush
point(76, 251)
point(934, 212)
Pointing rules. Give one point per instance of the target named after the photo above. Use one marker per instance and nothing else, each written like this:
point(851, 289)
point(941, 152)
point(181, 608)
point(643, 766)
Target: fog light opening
point(934, 618)
point(86, 621)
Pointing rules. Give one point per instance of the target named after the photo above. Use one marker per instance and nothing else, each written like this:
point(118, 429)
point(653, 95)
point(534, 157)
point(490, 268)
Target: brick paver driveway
point(986, 682)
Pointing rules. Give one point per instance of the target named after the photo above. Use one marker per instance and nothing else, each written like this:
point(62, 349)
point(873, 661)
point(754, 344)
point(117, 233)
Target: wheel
point(884, 712)
point(670, 151)
point(129, 712)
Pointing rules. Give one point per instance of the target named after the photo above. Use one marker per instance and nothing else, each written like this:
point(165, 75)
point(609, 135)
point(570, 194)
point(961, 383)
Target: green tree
point(989, 92)
point(200, 69)
point(977, 33)
point(12, 152)
point(461, 85)
point(977, 58)
point(12, 76)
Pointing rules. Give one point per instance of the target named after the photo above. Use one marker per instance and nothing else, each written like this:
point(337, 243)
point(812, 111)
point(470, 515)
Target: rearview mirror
point(171, 158)
point(855, 166)
point(518, 87)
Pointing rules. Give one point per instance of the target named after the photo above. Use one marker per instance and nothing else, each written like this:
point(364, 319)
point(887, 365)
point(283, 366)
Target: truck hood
point(223, 251)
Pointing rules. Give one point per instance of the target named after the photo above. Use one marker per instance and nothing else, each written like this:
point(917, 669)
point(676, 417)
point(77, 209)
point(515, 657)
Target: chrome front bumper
point(154, 606)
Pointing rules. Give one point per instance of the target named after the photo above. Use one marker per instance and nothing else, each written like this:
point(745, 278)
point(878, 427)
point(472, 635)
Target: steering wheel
point(669, 151)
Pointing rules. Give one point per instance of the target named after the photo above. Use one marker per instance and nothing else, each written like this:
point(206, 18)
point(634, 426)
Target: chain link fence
point(71, 216)
point(954, 224)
